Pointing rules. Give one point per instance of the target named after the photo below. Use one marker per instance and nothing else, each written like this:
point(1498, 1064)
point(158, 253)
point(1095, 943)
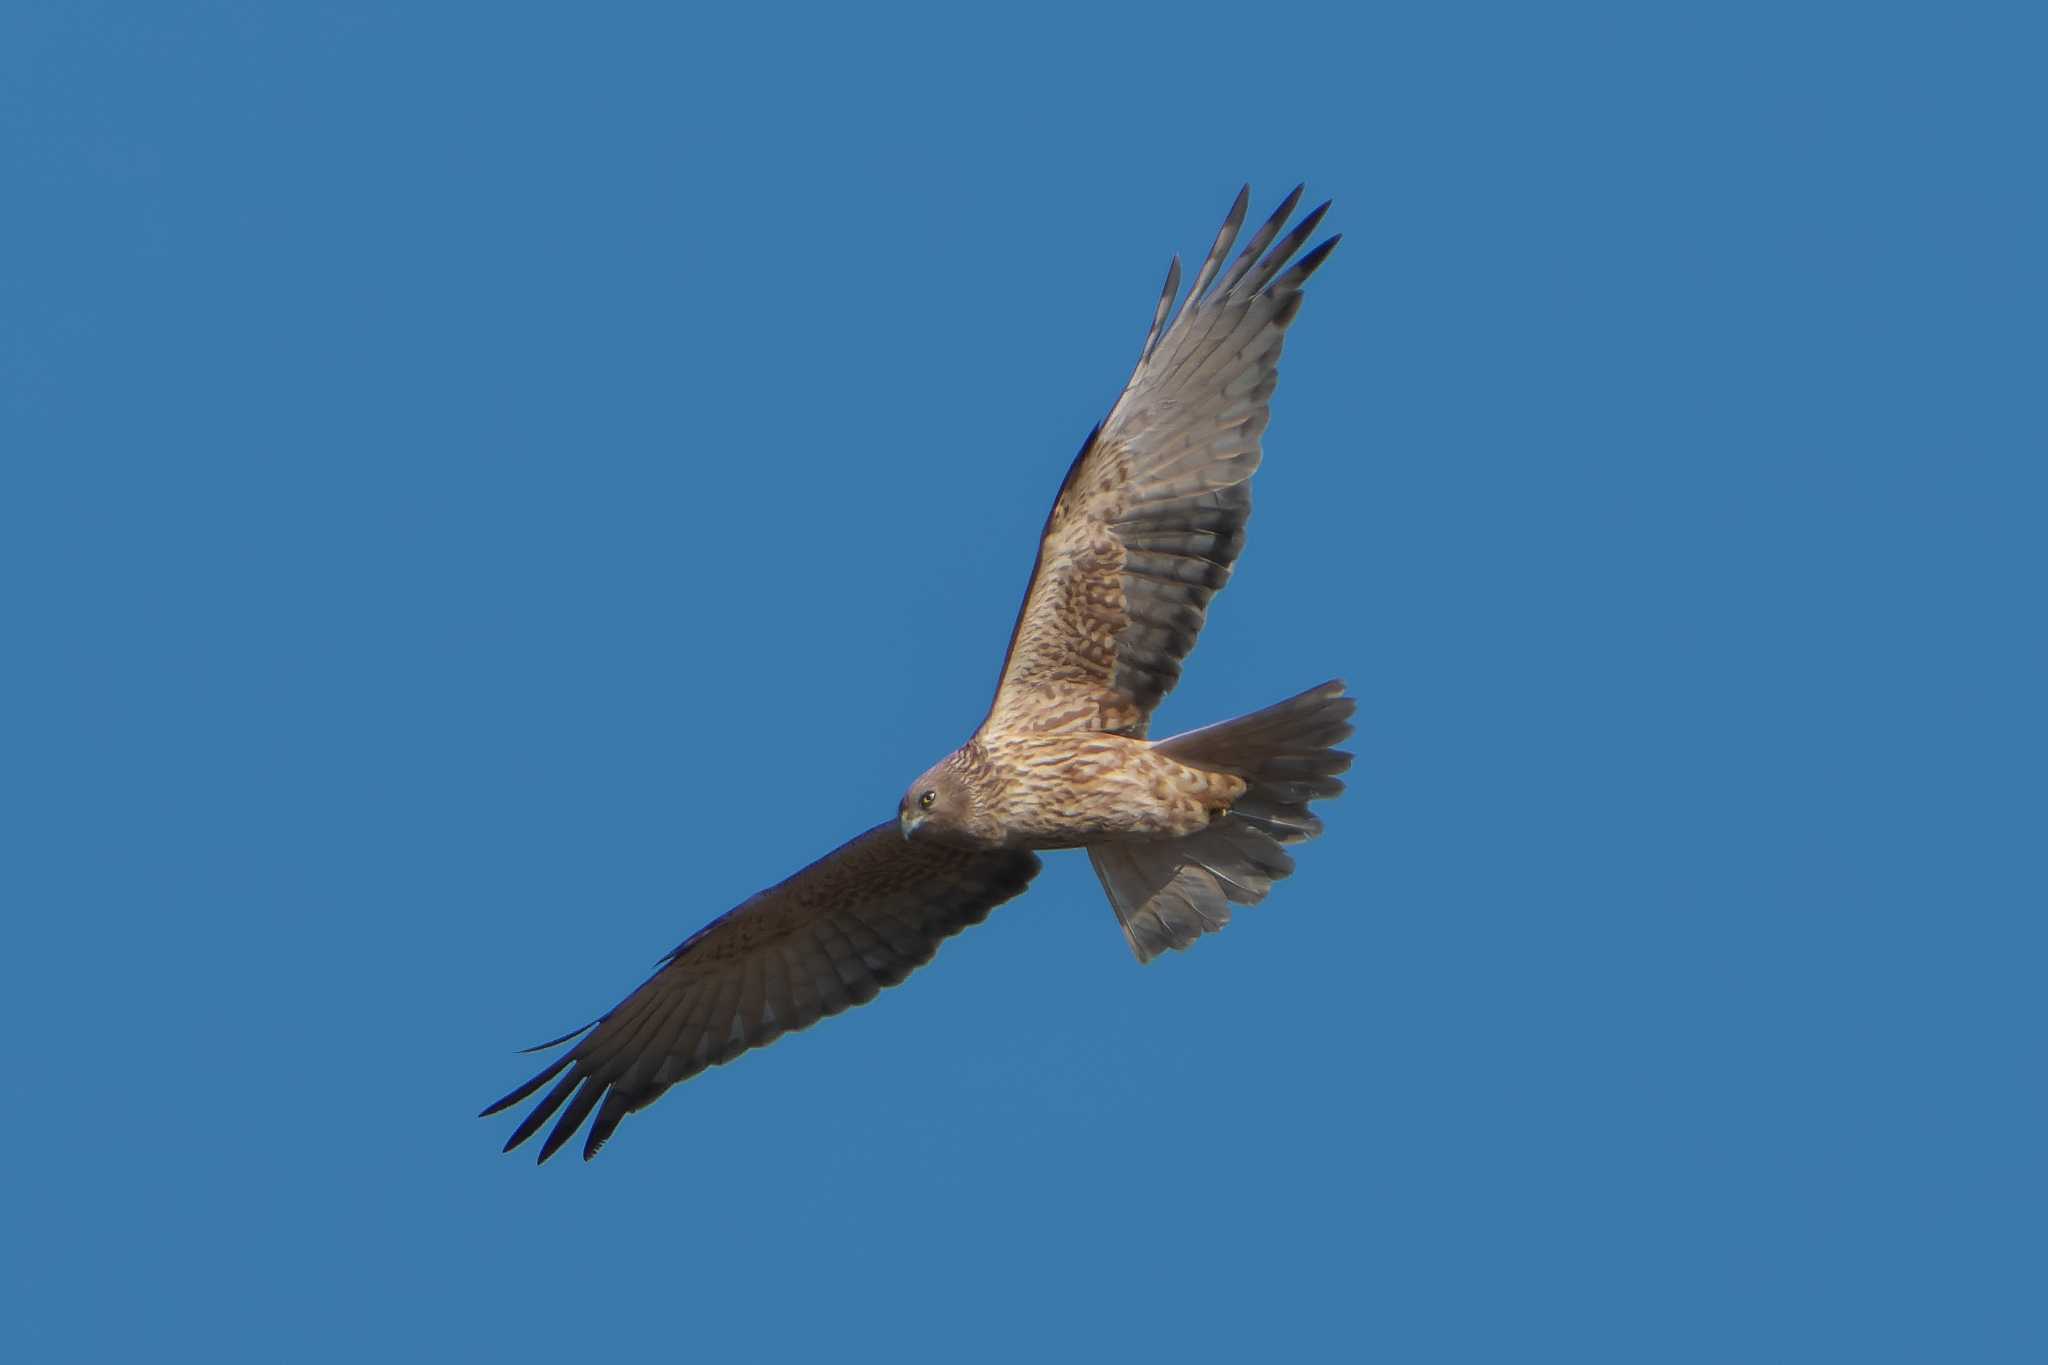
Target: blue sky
point(484, 490)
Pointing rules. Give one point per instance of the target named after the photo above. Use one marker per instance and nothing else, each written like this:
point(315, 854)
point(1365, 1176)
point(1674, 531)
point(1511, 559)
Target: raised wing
point(862, 917)
point(1152, 513)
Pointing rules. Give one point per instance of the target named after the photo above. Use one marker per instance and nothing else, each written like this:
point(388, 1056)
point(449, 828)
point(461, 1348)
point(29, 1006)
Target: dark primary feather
point(1151, 515)
point(859, 919)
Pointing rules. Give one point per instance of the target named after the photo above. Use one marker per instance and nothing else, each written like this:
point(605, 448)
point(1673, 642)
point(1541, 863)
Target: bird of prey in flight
point(1143, 532)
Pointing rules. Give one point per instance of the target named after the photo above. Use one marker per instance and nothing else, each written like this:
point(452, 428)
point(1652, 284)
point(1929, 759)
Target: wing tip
point(1311, 260)
point(557, 1042)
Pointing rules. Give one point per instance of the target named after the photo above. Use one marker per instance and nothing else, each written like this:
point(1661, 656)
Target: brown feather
point(860, 918)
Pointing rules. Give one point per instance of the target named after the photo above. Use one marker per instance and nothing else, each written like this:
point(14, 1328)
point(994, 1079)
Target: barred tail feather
point(1168, 893)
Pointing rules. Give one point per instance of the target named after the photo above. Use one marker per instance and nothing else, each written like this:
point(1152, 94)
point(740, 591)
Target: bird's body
point(1074, 789)
point(1145, 529)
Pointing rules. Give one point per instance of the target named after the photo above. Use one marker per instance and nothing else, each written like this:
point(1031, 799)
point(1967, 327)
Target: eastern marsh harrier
point(1143, 533)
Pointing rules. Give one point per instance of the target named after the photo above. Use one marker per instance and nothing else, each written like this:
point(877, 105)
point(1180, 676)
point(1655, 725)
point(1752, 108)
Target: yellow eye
point(925, 801)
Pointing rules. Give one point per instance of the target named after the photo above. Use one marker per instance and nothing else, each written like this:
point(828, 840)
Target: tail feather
point(1168, 893)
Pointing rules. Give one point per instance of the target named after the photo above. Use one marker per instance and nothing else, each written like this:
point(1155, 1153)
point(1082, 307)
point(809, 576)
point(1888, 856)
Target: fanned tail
point(1170, 892)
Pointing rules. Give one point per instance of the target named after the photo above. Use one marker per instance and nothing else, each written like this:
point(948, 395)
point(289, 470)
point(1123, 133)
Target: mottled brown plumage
point(1145, 529)
point(1065, 790)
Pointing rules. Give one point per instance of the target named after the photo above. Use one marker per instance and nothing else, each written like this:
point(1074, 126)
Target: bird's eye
point(926, 800)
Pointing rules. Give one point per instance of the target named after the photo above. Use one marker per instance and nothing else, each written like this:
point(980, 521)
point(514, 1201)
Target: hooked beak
point(908, 821)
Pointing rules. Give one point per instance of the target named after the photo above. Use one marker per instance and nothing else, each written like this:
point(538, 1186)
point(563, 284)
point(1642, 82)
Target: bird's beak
point(908, 823)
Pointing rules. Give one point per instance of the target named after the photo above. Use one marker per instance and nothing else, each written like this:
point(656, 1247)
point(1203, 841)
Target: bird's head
point(941, 805)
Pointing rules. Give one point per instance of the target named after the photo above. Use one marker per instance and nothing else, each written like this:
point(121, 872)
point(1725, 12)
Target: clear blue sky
point(484, 491)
